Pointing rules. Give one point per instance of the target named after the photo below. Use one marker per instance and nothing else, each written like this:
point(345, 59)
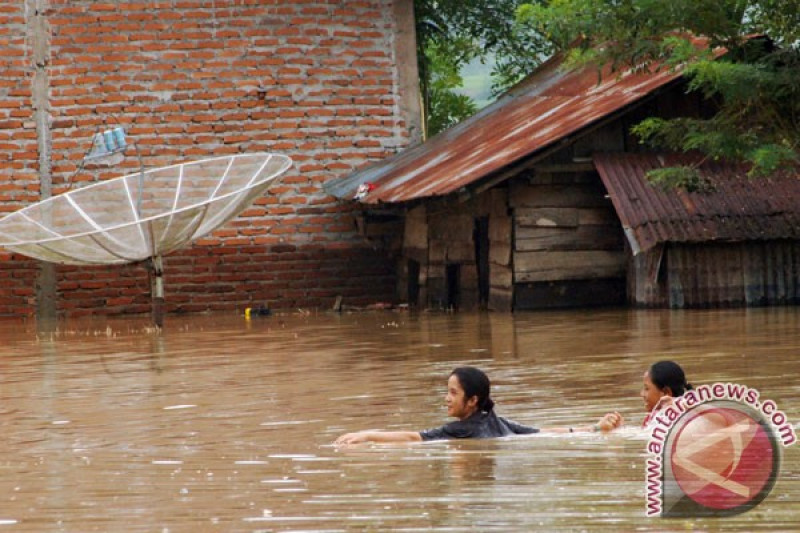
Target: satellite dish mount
point(143, 216)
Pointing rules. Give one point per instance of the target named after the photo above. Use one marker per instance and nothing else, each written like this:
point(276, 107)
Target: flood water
point(225, 424)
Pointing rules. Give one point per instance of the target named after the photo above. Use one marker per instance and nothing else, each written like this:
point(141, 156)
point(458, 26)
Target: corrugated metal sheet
point(731, 275)
point(548, 106)
point(738, 208)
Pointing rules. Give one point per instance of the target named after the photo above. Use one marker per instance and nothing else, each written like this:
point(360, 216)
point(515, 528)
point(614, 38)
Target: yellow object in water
point(262, 310)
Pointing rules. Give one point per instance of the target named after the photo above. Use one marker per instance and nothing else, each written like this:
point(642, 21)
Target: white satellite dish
point(143, 215)
point(138, 216)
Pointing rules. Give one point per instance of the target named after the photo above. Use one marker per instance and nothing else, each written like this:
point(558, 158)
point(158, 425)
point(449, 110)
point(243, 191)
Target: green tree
point(755, 85)
point(446, 107)
point(450, 34)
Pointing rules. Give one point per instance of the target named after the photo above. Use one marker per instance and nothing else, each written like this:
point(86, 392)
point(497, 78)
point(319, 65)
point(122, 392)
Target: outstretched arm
point(609, 422)
point(378, 436)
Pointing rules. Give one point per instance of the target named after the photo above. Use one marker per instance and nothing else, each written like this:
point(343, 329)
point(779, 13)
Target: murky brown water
point(220, 424)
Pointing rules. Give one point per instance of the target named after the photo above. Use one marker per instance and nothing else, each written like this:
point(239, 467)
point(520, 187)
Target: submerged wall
point(711, 275)
point(568, 245)
point(331, 84)
point(455, 254)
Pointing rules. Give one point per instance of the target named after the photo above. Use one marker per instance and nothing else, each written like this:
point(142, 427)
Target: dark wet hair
point(669, 374)
point(475, 383)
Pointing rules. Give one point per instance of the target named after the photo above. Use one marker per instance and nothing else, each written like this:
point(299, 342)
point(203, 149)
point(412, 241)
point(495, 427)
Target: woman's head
point(664, 378)
point(468, 391)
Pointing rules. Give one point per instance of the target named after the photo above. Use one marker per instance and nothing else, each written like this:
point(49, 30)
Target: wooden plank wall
point(415, 248)
point(439, 234)
point(501, 274)
point(565, 231)
point(450, 242)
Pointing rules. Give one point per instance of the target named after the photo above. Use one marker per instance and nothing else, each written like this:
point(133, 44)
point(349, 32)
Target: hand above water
point(610, 421)
point(352, 438)
point(377, 436)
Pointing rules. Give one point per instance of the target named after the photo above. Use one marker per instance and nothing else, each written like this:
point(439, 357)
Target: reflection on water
point(221, 424)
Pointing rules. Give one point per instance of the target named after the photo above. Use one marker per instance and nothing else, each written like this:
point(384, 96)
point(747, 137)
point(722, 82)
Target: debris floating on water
point(261, 310)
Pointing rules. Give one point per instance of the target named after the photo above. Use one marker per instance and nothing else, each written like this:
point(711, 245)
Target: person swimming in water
point(468, 399)
point(662, 382)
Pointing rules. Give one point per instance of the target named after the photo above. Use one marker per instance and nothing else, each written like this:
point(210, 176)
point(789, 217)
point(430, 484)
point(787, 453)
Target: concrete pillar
point(39, 32)
point(405, 54)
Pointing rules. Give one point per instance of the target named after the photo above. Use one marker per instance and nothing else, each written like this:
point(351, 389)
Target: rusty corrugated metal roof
point(737, 209)
point(548, 106)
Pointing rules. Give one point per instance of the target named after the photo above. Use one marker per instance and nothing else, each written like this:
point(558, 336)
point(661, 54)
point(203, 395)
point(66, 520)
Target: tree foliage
point(446, 107)
point(450, 34)
point(755, 85)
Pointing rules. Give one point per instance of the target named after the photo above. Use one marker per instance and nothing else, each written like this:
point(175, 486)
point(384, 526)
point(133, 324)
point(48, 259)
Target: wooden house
point(541, 200)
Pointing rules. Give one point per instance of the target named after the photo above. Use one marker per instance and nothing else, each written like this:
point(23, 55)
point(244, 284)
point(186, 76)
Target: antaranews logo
point(716, 451)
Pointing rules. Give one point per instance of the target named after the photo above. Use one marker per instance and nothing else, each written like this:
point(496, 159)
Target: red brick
point(183, 92)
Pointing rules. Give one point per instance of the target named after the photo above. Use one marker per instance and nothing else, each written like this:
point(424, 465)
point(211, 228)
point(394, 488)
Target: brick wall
point(189, 79)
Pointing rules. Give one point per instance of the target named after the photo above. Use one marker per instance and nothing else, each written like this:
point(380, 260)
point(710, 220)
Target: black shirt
point(479, 425)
